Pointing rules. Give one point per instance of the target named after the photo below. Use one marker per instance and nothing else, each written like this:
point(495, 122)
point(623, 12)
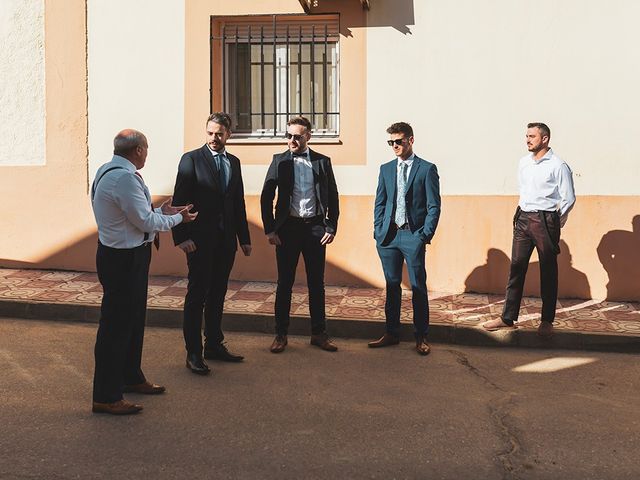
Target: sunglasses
point(397, 141)
point(291, 136)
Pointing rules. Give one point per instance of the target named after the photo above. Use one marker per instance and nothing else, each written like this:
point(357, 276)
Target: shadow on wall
point(619, 253)
point(260, 266)
point(493, 275)
point(398, 14)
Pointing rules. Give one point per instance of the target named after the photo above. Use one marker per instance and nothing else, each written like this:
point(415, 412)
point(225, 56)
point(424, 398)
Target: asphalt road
point(460, 413)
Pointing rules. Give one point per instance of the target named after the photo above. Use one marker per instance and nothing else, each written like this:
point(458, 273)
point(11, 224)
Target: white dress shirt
point(303, 197)
point(408, 162)
point(226, 164)
point(546, 184)
point(122, 207)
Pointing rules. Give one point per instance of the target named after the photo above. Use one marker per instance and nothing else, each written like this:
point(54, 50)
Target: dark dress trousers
point(396, 246)
point(539, 230)
point(220, 224)
point(300, 236)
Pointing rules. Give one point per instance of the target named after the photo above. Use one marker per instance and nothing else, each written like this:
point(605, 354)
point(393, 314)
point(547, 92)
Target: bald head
point(126, 142)
point(132, 145)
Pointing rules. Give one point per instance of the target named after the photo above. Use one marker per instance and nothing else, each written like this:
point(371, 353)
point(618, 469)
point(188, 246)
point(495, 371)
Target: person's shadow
point(619, 253)
point(492, 277)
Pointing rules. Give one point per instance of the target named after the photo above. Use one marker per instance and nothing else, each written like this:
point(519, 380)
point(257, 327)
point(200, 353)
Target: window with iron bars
point(273, 68)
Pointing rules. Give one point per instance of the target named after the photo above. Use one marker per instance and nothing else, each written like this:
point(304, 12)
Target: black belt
point(139, 247)
point(402, 227)
point(314, 219)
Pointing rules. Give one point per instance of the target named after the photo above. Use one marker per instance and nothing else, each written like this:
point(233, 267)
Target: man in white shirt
point(546, 197)
point(305, 222)
point(127, 226)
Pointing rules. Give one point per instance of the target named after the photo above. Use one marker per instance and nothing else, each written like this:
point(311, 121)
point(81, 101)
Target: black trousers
point(539, 230)
point(124, 275)
point(209, 269)
point(301, 236)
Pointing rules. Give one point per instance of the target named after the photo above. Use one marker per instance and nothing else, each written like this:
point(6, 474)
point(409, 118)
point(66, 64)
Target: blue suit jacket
point(423, 200)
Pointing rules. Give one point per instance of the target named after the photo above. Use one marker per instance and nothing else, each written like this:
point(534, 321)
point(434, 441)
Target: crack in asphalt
point(499, 414)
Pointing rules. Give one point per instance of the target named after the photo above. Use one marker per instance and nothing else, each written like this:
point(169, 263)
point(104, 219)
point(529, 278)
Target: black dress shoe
point(197, 364)
point(220, 352)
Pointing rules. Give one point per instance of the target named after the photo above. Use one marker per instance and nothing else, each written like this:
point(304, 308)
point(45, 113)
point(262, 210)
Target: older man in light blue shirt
point(127, 226)
point(546, 197)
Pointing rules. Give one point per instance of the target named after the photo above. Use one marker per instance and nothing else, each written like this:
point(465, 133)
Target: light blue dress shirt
point(122, 207)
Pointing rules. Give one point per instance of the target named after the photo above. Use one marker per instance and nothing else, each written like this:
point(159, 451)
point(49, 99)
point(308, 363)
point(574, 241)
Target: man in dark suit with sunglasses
point(406, 214)
point(305, 222)
point(211, 178)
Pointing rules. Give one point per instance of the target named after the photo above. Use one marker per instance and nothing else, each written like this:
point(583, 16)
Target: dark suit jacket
point(198, 182)
point(423, 200)
point(280, 177)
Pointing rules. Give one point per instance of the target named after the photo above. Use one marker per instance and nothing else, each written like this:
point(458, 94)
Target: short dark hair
point(220, 118)
point(544, 129)
point(401, 127)
point(300, 121)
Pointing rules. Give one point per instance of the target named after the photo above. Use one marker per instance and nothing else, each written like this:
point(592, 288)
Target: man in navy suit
point(406, 213)
point(211, 179)
point(305, 222)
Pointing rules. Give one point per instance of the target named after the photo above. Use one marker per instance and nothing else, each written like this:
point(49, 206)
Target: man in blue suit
point(406, 214)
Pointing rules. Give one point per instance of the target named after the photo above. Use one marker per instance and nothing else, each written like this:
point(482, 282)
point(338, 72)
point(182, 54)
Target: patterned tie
point(156, 239)
point(401, 207)
point(222, 172)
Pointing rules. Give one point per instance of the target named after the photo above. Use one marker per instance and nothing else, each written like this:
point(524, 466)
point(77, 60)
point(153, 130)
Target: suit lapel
point(315, 164)
point(393, 176)
point(234, 172)
point(414, 169)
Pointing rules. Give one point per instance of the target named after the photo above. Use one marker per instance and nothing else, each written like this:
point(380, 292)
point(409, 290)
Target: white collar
point(408, 161)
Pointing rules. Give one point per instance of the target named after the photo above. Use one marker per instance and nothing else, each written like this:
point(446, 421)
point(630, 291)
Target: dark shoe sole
point(198, 371)
point(223, 359)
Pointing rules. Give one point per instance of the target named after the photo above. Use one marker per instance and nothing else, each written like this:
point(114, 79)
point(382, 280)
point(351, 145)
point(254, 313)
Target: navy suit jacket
point(422, 200)
point(198, 182)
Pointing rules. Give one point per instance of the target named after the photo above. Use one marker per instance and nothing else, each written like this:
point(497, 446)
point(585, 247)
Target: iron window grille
point(278, 68)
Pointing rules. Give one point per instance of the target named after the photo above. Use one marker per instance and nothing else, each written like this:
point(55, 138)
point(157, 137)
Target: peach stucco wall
point(48, 223)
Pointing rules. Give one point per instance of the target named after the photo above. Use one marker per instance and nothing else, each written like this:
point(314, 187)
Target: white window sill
point(281, 141)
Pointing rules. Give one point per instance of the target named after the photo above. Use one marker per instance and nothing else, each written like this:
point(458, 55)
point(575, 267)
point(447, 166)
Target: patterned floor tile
point(32, 274)
point(340, 302)
point(257, 296)
point(172, 292)
point(87, 277)
point(56, 296)
point(61, 276)
point(259, 287)
point(163, 281)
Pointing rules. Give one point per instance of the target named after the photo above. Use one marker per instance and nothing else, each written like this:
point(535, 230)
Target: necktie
point(401, 207)
point(222, 172)
point(156, 239)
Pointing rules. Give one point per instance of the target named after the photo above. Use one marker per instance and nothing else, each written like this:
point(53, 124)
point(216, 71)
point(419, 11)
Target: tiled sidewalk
point(366, 304)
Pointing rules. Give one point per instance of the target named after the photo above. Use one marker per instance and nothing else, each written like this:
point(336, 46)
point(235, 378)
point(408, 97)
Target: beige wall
point(466, 78)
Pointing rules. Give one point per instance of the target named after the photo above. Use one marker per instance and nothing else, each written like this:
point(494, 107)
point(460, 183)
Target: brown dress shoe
point(121, 407)
point(545, 329)
point(496, 325)
point(322, 341)
point(422, 347)
point(146, 388)
point(384, 341)
point(278, 344)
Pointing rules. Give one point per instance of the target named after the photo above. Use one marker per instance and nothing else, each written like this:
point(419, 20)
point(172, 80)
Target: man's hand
point(186, 215)
point(327, 239)
point(274, 239)
point(246, 249)
point(188, 246)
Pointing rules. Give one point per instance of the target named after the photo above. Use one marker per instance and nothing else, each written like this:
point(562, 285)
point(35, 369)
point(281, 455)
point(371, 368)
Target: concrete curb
point(342, 328)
